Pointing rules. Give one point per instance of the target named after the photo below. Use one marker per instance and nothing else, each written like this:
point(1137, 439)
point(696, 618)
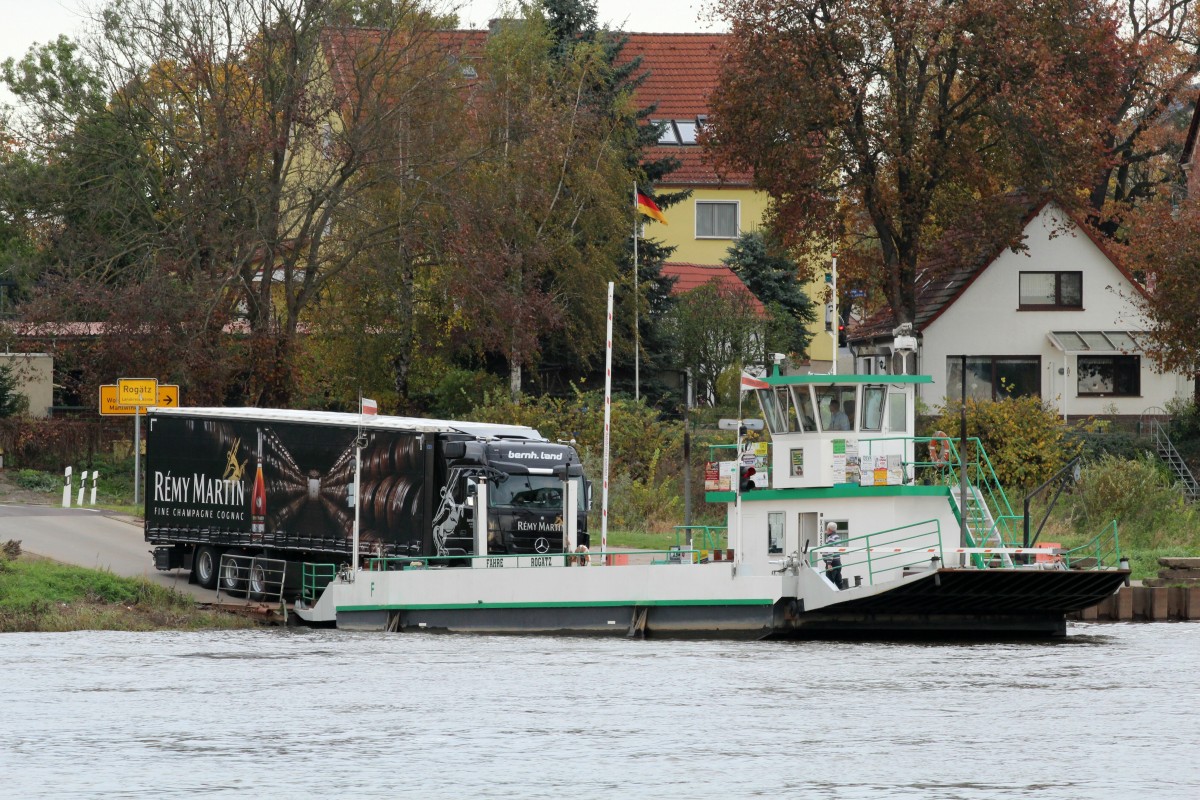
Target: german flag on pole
point(650, 208)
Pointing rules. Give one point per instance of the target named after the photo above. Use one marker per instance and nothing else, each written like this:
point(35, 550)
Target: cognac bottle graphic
point(258, 496)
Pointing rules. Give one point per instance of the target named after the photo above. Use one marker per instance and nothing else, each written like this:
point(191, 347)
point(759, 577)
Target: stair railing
point(1167, 452)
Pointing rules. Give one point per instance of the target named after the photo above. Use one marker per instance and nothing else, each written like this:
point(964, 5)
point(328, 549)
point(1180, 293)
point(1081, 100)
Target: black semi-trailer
point(279, 485)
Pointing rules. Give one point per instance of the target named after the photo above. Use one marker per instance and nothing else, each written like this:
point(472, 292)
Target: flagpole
point(637, 346)
point(607, 423)
point(357, 494)
point(736, 539)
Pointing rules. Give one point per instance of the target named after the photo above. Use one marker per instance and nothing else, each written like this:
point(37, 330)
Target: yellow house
point(683, 72)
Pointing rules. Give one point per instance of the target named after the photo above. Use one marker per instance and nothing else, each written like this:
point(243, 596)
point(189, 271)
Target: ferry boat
point(927, 544)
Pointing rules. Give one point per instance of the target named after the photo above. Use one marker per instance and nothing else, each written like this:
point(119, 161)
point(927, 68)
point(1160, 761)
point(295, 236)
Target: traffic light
point(745, 474)
point(841, 335)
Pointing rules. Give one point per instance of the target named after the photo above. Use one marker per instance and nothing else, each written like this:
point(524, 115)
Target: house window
point(1109, 375)
point(716, 220)
point(687, 130)
point(994, 377)
point(1051, 290)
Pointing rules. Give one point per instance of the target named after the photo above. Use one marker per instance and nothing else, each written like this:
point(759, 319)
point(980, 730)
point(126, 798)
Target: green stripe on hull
point(842, 490)
point(580, 604)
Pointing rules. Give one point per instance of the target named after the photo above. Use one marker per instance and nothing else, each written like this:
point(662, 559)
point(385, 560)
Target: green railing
point(883, 551)
point(314, 578)
point(1006, 527)
point(710, 536)
point(1102, 551)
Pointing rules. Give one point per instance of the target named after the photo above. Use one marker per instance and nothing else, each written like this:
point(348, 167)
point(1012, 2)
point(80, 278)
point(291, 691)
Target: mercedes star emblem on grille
point(541, 545)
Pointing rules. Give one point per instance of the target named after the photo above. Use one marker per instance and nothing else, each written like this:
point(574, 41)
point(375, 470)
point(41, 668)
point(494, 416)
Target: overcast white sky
point(23, 22)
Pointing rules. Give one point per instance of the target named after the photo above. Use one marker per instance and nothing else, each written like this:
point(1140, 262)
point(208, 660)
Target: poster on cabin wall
point(718, 476)
point(853, 463)
point(880, 473)
point(895, 470)
point(756, 455)
point(839, 460)
point(797, 462)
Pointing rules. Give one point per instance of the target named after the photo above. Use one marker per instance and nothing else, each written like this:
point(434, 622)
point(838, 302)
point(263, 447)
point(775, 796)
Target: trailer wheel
point(204, 566)
point(232, 581)
point(257, 583)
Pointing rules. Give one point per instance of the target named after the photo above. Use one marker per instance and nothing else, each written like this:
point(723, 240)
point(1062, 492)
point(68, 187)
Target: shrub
point(36, 481)
point(1023, 437)
point(1119, 444)
point(458, 391)
point(636, 435)
point(651, 505)
point(1150, 511)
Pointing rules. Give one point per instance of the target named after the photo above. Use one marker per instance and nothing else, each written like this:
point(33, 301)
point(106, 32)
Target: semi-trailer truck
point(279, 485)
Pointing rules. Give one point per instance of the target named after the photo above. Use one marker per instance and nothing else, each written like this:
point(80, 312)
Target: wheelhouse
point(828, 430)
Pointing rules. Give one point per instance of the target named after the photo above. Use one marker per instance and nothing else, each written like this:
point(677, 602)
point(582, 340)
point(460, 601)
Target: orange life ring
point(939, 448)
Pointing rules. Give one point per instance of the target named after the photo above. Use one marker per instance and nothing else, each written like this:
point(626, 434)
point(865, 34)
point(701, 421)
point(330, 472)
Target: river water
point(1112, 711)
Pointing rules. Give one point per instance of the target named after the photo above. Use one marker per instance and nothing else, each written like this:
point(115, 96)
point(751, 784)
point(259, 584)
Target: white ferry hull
point(709, 601)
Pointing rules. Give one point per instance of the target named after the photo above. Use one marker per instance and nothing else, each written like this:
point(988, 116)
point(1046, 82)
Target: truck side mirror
point(454, 450)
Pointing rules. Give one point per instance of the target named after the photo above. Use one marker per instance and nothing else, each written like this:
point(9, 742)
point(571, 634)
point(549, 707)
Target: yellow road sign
point(109, 404)
point(137, 391)
point(168, 395)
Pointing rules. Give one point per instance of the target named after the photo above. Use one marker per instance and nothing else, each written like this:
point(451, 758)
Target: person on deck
point(838, 421)
point(833, 561)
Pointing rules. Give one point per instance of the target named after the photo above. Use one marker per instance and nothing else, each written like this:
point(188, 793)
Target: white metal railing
point(257, 578)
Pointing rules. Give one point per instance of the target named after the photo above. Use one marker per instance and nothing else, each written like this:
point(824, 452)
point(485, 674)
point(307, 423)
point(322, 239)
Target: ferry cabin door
point(808, 529)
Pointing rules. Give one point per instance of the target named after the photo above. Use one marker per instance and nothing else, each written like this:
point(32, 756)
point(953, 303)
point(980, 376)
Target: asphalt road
point(90, 538)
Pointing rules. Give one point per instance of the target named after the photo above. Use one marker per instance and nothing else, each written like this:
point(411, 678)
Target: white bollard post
point(95, 479)
point(82, 487)
point(67, 489)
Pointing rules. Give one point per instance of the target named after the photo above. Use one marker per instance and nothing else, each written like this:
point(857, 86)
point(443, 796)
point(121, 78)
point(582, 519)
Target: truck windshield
point(532, 491)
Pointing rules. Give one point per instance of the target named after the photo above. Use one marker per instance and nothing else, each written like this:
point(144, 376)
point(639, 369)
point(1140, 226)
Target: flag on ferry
point(369, 406)
point(649, 208)
point(749, 383)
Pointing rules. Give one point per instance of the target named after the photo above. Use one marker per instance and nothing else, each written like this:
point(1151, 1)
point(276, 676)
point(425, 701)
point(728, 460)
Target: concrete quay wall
point(1145, 604)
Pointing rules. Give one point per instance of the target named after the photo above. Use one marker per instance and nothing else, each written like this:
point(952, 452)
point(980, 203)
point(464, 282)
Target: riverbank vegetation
point(40, 595)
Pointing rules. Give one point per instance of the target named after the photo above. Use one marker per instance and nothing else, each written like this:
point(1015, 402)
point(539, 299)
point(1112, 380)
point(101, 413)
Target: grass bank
point(37, 594)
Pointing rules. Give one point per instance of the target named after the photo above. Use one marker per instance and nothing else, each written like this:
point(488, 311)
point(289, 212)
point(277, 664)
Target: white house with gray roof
point(1056, 318)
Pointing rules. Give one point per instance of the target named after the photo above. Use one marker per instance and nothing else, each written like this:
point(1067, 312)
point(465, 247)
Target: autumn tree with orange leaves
point(876, 124)
point(1165, 247)
point(1157, 57)
point(235, 146)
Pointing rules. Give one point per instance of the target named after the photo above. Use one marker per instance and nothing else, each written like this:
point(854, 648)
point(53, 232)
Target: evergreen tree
point(774, 278)
point(573, 22)
point(12, 402)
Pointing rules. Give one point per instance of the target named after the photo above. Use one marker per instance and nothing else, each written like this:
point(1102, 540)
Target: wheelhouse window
point(835, 405)
point(995, 377)
point(1109, 375)
point(872, 412)
point(716, 220)
point(804, 407)
point(1044, 291)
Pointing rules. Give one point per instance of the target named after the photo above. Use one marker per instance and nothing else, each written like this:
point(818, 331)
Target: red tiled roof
point(681, 72)
point(692, 276)
point(684, 69)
